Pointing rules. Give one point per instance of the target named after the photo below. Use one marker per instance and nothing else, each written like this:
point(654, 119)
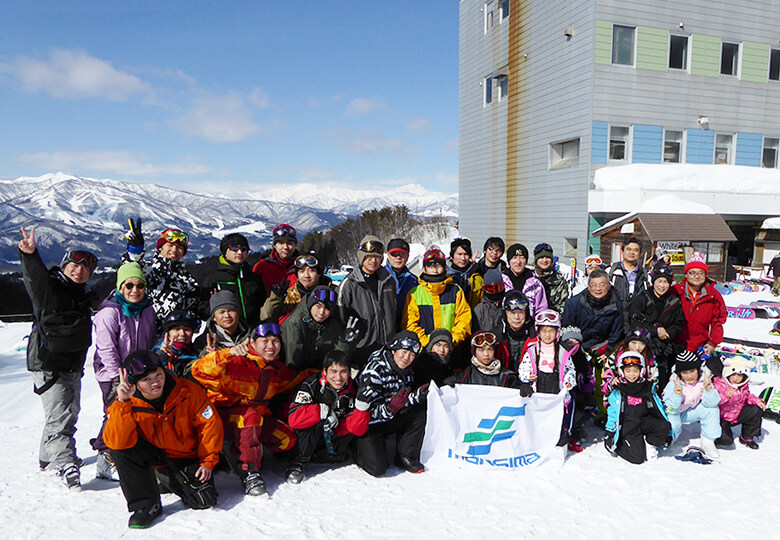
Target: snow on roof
point(662, 204)
point(687, 177)
point(771, 223)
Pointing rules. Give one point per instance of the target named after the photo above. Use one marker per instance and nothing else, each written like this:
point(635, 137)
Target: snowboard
point(771, 396)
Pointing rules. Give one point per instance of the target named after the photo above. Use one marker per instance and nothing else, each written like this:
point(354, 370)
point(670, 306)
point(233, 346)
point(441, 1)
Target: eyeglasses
point(513, 304)
point(493, 288)
point(82, 257)
point(372, 246)
point(696, 273)
point(324, 294)
point(547, 316)
point(141, 362)
point(267, 329)
point(593, 260)
point(238, 248)
point(306, 260)
point(485, 338)
point(407, 344)
point(542, 247)
point(434, 255)
point(284, 230)
point(598, 284)
point(129, 285)
point(173, 235)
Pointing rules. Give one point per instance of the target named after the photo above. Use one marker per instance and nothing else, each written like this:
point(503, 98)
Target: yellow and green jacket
point(437, 305)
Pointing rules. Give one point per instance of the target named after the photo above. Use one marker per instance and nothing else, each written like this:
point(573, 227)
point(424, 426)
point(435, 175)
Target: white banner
point(491, 427)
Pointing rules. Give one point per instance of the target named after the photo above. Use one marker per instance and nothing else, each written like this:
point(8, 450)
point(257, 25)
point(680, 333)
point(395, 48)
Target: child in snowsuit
point(689, 397)
point(547, 367)
point(635, 413)
point(638, 340)
point(737, 404)
point(485, 369)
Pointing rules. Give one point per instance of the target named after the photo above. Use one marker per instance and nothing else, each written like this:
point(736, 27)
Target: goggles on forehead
point(631, 360)
point(593, 259)
point(434, 255)
point(513, 304)
point(173, 235)
point(372, 246)
point(546, 317)
point(407, 344)
point(542, 247)
point(306, 260)
point(284, 230)
point(267, 329)
point(485, 338)
point(639, 333)
point(81, 257)
point(324, 294)
point(493, 288)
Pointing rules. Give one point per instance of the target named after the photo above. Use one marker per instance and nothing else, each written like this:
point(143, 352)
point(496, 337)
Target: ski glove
point(399, 401)
point(135, 239)
point(526, 390)
point(194, 493)
point(353, 330)
point(421, 393)
point(329, 418)
point(280, 289)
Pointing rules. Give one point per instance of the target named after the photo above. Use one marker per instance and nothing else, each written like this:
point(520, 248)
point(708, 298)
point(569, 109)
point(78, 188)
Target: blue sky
point(217, 95)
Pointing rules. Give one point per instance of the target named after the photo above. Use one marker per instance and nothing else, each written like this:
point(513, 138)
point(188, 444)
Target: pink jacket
point(732, 400)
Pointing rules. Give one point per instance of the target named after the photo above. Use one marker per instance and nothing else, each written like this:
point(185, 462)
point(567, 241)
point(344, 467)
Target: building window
point(502, 83)
point(774, 65)
point(678, 52)
point(488, 9)
point(723, 145)
point(769, 154)
point(564, 154)
point(623, 45)
point(673, 146)
point(487, 86)
point(618, 143)
point(504, 10)
point(729, 59)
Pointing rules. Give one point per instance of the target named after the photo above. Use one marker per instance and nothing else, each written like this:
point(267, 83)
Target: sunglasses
point(130, 286)
point(432, 255)
point(267, 329)
point(141, 363)
point(238, 248)
point(172, 235)
point(372, 246)
point(324, 294)
point(542, 247)
point(493, 288)
point(480, 340)
point(284, 230)
point(306, 260)
point(82, 257)
point(407, 344)
point(513, 304)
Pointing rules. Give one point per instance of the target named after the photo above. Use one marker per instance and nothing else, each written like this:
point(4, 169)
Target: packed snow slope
point(591, 496)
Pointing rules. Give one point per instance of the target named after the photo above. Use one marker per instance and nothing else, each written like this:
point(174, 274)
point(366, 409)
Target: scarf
point(433, 279)
point(597, 303)
point(493, 368)
point(129, 309)
point(634, 389)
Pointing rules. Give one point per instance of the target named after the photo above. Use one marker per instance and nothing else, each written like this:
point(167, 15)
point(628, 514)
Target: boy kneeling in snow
point(157, 420)
point(689, 398)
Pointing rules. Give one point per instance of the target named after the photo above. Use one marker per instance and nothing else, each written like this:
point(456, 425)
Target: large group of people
point(289, 363)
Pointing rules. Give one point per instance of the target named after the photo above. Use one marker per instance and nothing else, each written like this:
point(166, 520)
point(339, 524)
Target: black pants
point(631, 445)
point(409, 427)
point(136, 467)
point(750, 418)
point(310, 446)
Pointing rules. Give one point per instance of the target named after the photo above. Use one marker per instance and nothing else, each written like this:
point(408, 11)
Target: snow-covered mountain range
point(92, 213)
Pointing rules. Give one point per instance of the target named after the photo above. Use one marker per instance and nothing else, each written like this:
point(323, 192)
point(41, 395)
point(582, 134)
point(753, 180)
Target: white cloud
point(259, 98)
point(369, 141)
point(219, 119)
point(360, 106)
point(419, 124)
point(69, 74)
point(120, 162)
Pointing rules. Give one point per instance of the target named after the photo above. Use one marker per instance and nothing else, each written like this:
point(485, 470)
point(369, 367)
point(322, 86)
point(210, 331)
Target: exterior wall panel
point(755, 62)
point(648, 144)
point(652, 48)
point(701, 146)
point(599, 142)
point(749, 149)
point(603, 45)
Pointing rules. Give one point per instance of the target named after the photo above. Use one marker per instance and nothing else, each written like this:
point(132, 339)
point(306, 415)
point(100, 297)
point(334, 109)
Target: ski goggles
point(175, 235)
point(484, 338)
point(266, 329)
point(323, 295)
point(239, 248)
point(493, 288)
point(181, 319)
point(284, 230)
point(306, 260)
point(140, 363)
point(631, 358)
point(513, 304)
point(80, 257)
point(542, 247)
point(593, 259)
point(407, 344)
point(434, 256)
point(372, 246)
point(547, 317)
point(639, 333)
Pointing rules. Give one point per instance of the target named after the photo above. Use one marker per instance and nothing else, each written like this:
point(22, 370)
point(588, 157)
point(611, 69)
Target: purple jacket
point(117, 335)
point(533, 289)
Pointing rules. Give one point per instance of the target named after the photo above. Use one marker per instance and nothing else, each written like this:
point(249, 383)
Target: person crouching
point(485, 368)
point(165, 423)
point(326, 416)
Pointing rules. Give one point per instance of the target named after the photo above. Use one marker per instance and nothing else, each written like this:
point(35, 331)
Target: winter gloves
point(135, 239)
point(526, 390)
point(399, 400)
point(330, 420)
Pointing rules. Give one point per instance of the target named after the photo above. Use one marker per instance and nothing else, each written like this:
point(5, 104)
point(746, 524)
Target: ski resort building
point(574, 113)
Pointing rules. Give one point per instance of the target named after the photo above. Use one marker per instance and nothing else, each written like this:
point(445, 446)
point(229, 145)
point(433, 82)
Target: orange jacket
point(244, 380)
point(188, 427)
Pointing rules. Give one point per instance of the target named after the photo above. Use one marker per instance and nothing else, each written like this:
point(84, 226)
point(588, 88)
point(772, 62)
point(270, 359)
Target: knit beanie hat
point(696, 262)
point(462, 242)
point(128, 270)
point(233, 239)
point(571, 332)
point(321, 293)
point(638, 333)
point(397, 244)
point(369, 245)
point(516, 250)
point(687, 360)
point(494, 241)
point(493, 277)
point(440, 334)
point(542, 250)
point(224, 300)
point(663, 271)
point(162, 240)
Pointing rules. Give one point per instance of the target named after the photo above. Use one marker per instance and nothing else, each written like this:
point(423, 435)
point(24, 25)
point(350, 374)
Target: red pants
point(250, 430)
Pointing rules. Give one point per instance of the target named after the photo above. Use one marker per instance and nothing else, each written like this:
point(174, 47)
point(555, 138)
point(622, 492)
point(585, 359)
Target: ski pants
point(311, 446)
point(709, 417)
point(136, 467)
point(61, 406)
point(750, 418)
point(249, 430)
point(631, 445)
point(409, 428)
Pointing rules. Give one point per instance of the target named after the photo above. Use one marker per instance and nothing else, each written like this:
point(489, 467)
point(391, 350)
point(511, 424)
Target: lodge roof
point(668, 227)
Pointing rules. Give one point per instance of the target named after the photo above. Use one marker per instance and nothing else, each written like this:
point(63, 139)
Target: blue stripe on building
point(701, 146)
point(749, 149)
point(599, 142)
point(648, 144)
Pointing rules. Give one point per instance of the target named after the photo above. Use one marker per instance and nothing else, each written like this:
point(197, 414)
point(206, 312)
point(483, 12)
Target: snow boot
point(409, 464)
point(70, 475)
point(295, 473)
point(106, 468)
point(143, 517)
point(708, 445)
point(750, 443)
point(575, 446)
point(651, 453)
point(254, 484)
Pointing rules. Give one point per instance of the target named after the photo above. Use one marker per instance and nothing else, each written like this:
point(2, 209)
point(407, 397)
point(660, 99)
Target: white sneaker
point(652, 453)
point(708, 445)
point(106, 468)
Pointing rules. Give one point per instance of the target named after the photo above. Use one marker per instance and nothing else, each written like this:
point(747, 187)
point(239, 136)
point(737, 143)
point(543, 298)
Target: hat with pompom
point(696, 263)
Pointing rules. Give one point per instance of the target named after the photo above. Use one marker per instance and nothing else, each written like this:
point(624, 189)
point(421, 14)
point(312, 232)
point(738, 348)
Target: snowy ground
point(593, 495)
